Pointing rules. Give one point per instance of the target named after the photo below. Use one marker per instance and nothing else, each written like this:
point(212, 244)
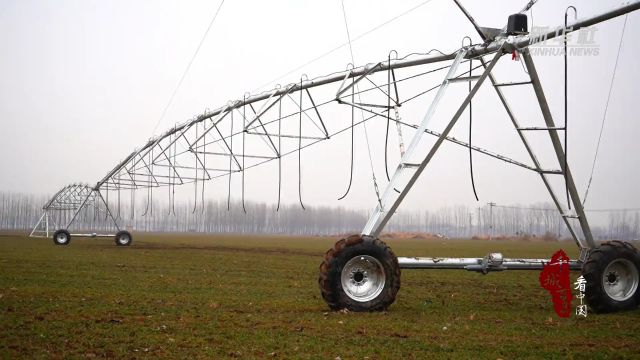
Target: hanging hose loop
point(168, 155)
point(300, 146)
point(566, 15)
point(279, 151)
point(118, 217)
point(175, 173)
point(204, 164)
point(230, 157)
point(150, 186)
point(386, 133)
point(106, 214)
point(195, 182)
point(151, 161)
point(467, 38)
point(473, 183)
point(244, 132)
point(352, 138)
point(393, 78)
point(133, 201)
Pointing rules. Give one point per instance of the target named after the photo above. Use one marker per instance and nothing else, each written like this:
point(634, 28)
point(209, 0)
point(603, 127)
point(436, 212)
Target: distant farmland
point(199, 296)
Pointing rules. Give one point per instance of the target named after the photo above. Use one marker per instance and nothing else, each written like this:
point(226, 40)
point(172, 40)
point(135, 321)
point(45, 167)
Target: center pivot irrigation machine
point(360, 272)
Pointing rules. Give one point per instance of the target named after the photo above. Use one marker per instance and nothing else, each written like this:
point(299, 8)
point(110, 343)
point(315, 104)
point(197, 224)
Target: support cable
point(184, 74)
point(366, 134)
point(606, 108)
point(566, 106)
point(529, 6)
point(373, 29)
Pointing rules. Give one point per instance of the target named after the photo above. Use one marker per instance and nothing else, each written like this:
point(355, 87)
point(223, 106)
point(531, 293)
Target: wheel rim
point(363, 278)
point(123, 239)
point(620, 279)
point(61, 238)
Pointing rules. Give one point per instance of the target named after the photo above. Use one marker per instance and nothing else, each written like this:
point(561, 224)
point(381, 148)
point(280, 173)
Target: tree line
point(22, 211)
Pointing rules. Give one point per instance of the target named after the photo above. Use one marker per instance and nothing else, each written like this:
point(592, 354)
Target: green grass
point(196, 296)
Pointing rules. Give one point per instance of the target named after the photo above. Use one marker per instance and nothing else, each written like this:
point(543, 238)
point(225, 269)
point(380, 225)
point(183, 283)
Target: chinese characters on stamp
point(555, 279)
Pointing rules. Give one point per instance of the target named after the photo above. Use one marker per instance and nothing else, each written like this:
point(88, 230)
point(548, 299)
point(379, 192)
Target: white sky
point(84, 82)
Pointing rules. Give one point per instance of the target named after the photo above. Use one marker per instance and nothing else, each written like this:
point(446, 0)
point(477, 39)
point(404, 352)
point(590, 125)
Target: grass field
point(197, 296)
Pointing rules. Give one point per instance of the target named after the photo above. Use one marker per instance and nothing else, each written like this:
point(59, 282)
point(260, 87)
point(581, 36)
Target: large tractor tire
point(612, 274)
point(61, 237)
point(359, 273)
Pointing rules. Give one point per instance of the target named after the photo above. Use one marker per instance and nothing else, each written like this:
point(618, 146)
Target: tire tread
point(334, 253)
point(592, 270)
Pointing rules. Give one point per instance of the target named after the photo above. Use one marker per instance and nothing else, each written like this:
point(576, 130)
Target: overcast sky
point(83, 83)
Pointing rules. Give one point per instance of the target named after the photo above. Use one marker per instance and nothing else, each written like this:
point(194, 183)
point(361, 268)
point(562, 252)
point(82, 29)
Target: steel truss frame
point(62, 210)
point(203, 148)
point(494, 261)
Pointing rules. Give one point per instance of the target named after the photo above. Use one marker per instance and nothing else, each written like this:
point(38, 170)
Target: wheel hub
point(358, 276)
point(620, 279)
point(363, 278)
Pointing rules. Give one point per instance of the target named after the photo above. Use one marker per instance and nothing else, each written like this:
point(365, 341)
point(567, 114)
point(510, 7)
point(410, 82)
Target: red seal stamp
point(555, 279)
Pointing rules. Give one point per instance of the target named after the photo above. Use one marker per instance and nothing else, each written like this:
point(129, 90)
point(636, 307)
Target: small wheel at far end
point(61, 237)
point(123, 238)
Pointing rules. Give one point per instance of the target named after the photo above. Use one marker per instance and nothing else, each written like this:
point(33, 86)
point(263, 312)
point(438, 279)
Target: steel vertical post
point(557, 146)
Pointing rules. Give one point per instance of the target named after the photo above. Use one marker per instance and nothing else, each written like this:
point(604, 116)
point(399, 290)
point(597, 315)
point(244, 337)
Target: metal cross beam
point(408, 166)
